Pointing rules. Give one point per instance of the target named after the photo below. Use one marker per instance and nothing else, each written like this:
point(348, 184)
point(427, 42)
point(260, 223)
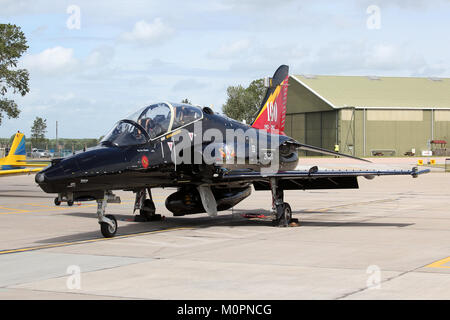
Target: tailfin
point(16, 153)
point(18, 145)
point(272, 113)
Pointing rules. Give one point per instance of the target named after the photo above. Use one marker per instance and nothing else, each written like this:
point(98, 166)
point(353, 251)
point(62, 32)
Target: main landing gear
point(281, 210)
point(145, 206)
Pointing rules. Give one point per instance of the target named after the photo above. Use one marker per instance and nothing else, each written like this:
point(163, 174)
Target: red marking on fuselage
point(144, 161)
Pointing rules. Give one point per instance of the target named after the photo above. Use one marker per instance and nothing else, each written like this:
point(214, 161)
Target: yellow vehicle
point(15, 162)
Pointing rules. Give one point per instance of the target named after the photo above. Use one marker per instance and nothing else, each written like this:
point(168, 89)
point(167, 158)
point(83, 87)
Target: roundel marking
point(144, 161)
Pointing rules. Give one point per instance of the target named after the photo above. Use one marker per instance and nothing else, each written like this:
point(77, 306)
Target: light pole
point(57, 146)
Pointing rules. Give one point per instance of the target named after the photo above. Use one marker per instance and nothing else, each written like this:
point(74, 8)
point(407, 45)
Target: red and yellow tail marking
point(272, 116)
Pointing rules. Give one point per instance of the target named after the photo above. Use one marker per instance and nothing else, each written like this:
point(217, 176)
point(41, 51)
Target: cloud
point(100, 56)
point(231, 50)
point(18, 7)
point(402, 4)
point(63, 97)
point(145, 33)
point(252, 5)
point(55, 60)
point(360, 57)
point(61, 61)
point(189, 85)
point(392, 57)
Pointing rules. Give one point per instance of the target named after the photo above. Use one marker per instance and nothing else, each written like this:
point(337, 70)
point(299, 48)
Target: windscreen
point(136, 115)
point(125, 134)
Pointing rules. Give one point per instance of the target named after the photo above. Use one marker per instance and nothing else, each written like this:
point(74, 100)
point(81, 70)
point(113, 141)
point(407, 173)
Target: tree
point(12, 45)
point(11, 139)
point(38, 130)
point(186, 101)
point(243, 103)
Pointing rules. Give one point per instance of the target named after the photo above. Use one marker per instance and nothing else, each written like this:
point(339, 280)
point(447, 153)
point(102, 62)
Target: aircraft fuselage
point(154, 163)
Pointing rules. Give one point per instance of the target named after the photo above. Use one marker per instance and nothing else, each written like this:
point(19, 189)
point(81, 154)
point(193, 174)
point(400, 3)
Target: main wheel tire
point(287, 213)
point(70, 203)
point(285, 217)
point(57, 202)
point(148, 210)
point(107, 230)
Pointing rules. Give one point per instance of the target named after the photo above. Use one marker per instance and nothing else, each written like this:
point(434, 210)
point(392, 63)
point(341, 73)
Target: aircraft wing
point(27, 164)
point(312, 178)
point(16, 172)
point(315, 173)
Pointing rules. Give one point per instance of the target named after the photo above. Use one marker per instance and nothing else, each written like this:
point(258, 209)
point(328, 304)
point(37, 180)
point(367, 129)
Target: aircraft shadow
point(352, 224)
point(294, 212)
point(227, 220)
point(138, 228)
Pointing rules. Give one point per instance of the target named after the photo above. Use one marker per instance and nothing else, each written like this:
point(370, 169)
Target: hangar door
point(313, 128)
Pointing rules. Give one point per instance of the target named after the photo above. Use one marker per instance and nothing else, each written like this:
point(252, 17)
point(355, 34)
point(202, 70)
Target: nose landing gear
point(108, 223)
point(109, 230)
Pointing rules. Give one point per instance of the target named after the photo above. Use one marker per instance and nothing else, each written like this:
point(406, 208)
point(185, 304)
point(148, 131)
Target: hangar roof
point(378, 92)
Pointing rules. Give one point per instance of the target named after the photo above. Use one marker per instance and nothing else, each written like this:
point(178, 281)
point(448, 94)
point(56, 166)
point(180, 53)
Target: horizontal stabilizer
point(306, 147)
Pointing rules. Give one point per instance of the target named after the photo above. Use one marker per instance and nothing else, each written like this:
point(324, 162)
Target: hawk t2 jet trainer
point(212, 160)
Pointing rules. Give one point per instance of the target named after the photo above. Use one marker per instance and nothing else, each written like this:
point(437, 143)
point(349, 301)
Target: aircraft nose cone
point(40, 177)
point(49, 178)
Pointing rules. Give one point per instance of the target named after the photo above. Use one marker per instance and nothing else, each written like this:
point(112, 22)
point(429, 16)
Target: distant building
point(367, 116)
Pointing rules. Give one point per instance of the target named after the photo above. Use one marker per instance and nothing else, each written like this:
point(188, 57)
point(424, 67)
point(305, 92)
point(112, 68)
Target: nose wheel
point(109, 229)
point(108, 223)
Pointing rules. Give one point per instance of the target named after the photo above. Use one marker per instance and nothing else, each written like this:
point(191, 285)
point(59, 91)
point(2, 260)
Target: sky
point(92, 63)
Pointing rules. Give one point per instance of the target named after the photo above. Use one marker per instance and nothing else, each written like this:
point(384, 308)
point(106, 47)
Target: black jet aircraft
point(212, 160)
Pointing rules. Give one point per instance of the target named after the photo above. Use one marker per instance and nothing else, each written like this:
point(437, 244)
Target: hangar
point(370, 116)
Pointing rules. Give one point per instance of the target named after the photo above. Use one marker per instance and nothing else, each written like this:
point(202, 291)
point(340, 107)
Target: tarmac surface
point(387, 240)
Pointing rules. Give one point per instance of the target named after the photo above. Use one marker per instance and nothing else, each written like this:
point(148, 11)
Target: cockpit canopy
point(151, 122)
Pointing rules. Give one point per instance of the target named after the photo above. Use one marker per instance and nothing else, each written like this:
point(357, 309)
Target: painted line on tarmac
point(66, 244)
point(33, 211)
point(12, 210)
point(439, 263)
point(46, 208)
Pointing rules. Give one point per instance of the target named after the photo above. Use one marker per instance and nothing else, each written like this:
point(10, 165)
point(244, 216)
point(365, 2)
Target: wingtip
point(415, 172)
